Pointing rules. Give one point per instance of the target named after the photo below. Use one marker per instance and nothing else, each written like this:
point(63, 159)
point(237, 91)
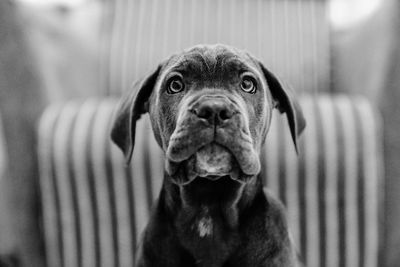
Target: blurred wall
point(366, 60)
point(65, 41)
point(361, 54)
point(390, 106)
point(21, 102)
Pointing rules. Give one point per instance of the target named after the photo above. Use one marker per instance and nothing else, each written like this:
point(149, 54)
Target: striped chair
point(95, 209)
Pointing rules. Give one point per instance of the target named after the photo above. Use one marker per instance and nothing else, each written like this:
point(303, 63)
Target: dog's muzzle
point(212, 140)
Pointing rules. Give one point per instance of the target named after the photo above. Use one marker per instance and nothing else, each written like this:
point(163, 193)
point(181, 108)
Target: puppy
point(210, 109)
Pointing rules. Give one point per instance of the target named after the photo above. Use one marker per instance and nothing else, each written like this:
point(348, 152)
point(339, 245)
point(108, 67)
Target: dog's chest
point(205, 235)
point(204, 224)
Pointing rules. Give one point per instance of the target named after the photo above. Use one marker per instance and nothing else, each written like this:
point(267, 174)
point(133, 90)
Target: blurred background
point(52, 51)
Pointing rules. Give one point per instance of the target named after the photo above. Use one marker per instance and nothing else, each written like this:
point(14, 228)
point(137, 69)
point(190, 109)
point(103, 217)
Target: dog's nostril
point(225, 115)
point(205, 113)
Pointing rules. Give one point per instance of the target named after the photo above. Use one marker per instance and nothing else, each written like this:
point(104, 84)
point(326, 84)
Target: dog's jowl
point(210, 108)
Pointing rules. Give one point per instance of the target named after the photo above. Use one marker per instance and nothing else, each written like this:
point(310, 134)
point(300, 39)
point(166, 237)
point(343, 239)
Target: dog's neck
point(207, 214)
point(202, 197)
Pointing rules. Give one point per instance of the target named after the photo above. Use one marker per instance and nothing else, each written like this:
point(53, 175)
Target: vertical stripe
point(259, 27)
point(122, 40)
point(74, 187)
point(193, 24)
point(58, 200)
point(284, 57)
point(79, 168)
point(373, 186)
point(350, 179)
point(108, 25)
point(273, 28)
point(166, 27)
point(321, 184)
point(314, 46)
point(153, 49)
point(206, 19)
point(341, 190)
point(145, 14)
point(139, 44)
point(126, 46)
point(232, 18)
point(299, 46)
point(100, 160)
point(3, 156)
point(91, 180)
point(179, 24)
point(331, 253)
point(114, 47)
point(360, 183)
point(49, 191)
point(311, 174)
point(220, 16)
point(324, 51)
point(245, 31)
point(113, 204)
point(104, 46)
point(68, 216)
point(302, 188)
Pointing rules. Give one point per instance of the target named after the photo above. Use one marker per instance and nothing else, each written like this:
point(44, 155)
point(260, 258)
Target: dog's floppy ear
point(129, 111)
point(286, 103)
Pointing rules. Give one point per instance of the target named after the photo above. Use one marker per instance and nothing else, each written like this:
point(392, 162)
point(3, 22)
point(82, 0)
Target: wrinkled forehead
point(212, 60)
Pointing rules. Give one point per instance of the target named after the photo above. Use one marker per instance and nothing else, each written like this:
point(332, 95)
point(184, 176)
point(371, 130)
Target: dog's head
point(210, 109)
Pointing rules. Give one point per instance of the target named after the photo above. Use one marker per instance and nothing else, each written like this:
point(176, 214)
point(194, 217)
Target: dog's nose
point(214, 111)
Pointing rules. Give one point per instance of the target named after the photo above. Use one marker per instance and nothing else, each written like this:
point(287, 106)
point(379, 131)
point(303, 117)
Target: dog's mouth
point(211, 161)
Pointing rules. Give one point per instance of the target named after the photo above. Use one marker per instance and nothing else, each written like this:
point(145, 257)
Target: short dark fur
point(208, 222)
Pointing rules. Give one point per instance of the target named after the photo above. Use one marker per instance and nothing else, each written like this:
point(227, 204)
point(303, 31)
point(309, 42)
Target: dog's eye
point(248, 85)
point(175, 85)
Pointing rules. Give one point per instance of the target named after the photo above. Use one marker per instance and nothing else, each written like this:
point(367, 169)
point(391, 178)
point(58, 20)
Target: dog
point(210, 109)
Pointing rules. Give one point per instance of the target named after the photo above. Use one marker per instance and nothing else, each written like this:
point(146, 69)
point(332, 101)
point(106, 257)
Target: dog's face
point(210, 109)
